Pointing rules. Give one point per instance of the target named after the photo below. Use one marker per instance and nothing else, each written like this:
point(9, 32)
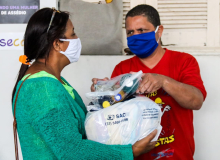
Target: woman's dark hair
point(37, 41)
point(147, 11)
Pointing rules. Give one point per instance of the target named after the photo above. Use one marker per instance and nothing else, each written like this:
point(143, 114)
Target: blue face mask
point(143, 45)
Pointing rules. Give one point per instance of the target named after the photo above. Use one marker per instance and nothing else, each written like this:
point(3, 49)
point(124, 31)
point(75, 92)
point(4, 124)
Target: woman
point(49, 112)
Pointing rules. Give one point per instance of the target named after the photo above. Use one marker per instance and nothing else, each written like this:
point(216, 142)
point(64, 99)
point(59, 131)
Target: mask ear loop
point(156, 29)
point(156, 32)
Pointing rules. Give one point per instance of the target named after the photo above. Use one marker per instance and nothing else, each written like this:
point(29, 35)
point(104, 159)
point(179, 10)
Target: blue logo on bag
point(120, 115)
point(110, 117)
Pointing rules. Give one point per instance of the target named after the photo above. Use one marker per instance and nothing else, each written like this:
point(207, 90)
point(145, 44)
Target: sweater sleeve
point(53, 119)
point(78, 99)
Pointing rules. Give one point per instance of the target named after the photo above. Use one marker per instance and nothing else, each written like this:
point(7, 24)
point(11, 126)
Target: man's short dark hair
point(147, 11)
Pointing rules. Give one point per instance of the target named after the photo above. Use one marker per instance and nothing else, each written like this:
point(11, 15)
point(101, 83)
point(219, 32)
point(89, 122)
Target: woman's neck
point(53, 65)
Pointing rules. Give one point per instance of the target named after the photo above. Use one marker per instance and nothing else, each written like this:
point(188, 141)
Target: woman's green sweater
point(50, 125)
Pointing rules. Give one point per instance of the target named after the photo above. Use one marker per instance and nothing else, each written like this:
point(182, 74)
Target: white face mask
point(73, 50)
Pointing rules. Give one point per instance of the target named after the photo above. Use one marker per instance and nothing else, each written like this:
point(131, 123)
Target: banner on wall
point(12, 41)
point(18, 11)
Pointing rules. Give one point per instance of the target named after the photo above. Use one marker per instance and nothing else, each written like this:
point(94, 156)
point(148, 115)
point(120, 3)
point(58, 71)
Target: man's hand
point(94, 82)
point(150, 83)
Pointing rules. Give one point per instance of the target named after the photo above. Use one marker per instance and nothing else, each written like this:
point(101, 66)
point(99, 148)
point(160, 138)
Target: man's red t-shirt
point(176, 141)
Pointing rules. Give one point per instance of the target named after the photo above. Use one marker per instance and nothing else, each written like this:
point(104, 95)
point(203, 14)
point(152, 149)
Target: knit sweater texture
point(50, 125)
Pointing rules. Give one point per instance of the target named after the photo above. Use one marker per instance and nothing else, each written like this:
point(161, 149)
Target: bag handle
point(15, 122)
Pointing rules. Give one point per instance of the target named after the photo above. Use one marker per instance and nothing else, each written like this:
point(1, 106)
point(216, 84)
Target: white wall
point(207, 120)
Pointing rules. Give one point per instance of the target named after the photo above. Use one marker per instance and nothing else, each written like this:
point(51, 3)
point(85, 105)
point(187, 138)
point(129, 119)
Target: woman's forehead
point(69, 25)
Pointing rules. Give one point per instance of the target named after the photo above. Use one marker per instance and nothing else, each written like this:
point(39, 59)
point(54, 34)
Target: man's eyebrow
point(142, 29)
point(130, 30)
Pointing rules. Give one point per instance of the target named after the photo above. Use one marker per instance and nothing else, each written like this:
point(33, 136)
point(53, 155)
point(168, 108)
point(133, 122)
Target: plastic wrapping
point(124, 122)
point(114, 90)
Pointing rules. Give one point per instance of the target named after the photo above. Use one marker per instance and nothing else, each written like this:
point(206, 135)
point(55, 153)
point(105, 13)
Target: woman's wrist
point(136, 153)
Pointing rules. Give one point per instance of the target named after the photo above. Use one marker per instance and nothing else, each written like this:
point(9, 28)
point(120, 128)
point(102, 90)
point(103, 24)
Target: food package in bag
point(124, 122)
point(114, 90)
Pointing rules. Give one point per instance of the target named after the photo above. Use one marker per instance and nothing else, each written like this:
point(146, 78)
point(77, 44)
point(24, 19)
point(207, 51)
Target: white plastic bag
point(125, 122)
point(114, 90)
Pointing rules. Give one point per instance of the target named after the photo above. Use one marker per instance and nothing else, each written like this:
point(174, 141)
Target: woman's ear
point(57, 45)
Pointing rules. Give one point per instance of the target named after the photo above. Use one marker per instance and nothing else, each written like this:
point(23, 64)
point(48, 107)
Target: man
point(172, 79)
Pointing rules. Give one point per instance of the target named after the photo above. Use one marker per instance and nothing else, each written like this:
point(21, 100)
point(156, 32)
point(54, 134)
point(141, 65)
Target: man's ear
point(57, 45)
point(160, 31)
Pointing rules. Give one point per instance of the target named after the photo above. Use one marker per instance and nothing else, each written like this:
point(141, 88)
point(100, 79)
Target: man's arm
point(185, 95)
point(187, 88)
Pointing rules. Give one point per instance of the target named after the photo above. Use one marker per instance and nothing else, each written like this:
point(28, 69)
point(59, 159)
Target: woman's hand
point(94, 82)
point(144, 145)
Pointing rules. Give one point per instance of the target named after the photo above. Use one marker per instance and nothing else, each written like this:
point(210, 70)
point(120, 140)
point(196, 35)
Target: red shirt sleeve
point(190, 74)
point(117, 71)
point(123, 67)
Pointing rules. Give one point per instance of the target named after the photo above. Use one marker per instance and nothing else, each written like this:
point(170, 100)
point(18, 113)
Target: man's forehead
point(139, 17)
point(137, 21)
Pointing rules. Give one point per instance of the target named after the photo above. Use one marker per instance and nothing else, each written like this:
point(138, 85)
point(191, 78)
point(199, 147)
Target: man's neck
point(153, 59)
